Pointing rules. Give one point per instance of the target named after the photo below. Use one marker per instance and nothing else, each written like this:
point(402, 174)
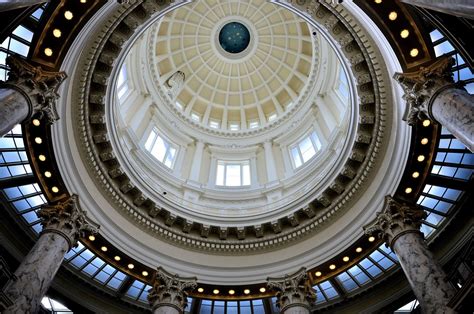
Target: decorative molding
point(38, 86)
point(395, 219)
point(68, 219)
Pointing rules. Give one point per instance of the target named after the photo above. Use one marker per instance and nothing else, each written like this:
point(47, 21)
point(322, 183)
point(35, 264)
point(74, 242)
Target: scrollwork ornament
point(67, 219)
point(39, 87)
point(293, 290)
point(395, 219)
point(422, 86)
point(170, 290)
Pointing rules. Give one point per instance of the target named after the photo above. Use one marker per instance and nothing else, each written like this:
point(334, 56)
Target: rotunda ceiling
point(245, 62)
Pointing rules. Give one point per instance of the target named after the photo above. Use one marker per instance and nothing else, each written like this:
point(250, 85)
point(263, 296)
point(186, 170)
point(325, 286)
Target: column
point(197, 161)
point(16, 4)
point(270, 161)
point(431, 93)
point(462, 8)
point(169, 292)
point(28, 91)
point(294, 292)
point(398, 224)
point(63, 225)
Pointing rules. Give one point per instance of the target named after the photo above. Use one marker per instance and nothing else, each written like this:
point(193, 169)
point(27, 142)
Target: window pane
point(220, 175)
point(296, 157)
point(246, 175)
point(159, 149)
point(149, 141)
point(233, 175)
point(307, 149)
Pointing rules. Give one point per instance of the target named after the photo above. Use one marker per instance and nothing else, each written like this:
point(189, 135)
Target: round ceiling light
point(234, 37)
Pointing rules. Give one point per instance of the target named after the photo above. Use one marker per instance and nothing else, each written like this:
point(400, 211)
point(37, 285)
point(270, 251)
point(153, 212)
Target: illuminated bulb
point(47, 174)
point(371, 239)
point(55, 189)
point(318, 274)
point(131, 266)
point(424, 141)
point(359, 249)
point(246, 291)
point(415, 174)
point(36, 122)
point(378, 1)
point(200, 290)
point(414, 52)
point(408, 190)
point(345, 259)
point(83, 1)
point(91, 238)
point(57, 33)
point(38, 140)
point(426, 122)
point(421, 158)
point(42, 157)
point(48, 52)
point(231, 292)
point(393, 16)
point(262, 289)
point(117, 258)
point(144, 273)
point(68, 15)
point(332, 267)
point(404, 33)
point(215, 291)
point(104, 249)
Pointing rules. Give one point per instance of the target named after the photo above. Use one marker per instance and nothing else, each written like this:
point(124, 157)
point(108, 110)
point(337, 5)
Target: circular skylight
point(234, 37)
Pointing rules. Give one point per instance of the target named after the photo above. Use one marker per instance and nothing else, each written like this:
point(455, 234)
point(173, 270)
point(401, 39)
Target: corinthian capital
point(170, 290)
point(67, 219)
point(395, 219)
point(421, 88)
point(37, 85)
point(292, 290)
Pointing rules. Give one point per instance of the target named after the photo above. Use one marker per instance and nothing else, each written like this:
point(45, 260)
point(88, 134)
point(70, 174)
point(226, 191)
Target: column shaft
point(270, 162)
point(454, 109)
point(166, 310)
point(197, 162)
point(35, 274)
point(425, 275)
point(462, 8)
point(13, 109)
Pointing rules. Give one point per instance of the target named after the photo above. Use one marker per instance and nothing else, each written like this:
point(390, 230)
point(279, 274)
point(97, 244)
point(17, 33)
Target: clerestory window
point(233, 173)
point(305, 149)
point(122, 85)
point(161, 149)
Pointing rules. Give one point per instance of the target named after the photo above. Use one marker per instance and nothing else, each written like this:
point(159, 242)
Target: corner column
point(398, 224)
point(294, 292)
point(28, 91)
point(431, 93)
point(169, 292)
point(63, 225)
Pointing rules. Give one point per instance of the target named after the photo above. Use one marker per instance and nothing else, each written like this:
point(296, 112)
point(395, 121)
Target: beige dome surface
point(255, 85)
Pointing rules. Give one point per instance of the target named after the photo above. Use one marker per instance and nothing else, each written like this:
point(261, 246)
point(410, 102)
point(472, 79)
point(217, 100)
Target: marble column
point(29, 91)
point(169, 292)
point(16, 4)
point(431, 93)
point(63, 225)
point(294, 292)
point(197, 161)
point(462, 8)
point(398, 224)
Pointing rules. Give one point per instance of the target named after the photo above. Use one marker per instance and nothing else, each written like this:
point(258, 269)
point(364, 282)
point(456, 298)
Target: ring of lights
point(94, 148)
